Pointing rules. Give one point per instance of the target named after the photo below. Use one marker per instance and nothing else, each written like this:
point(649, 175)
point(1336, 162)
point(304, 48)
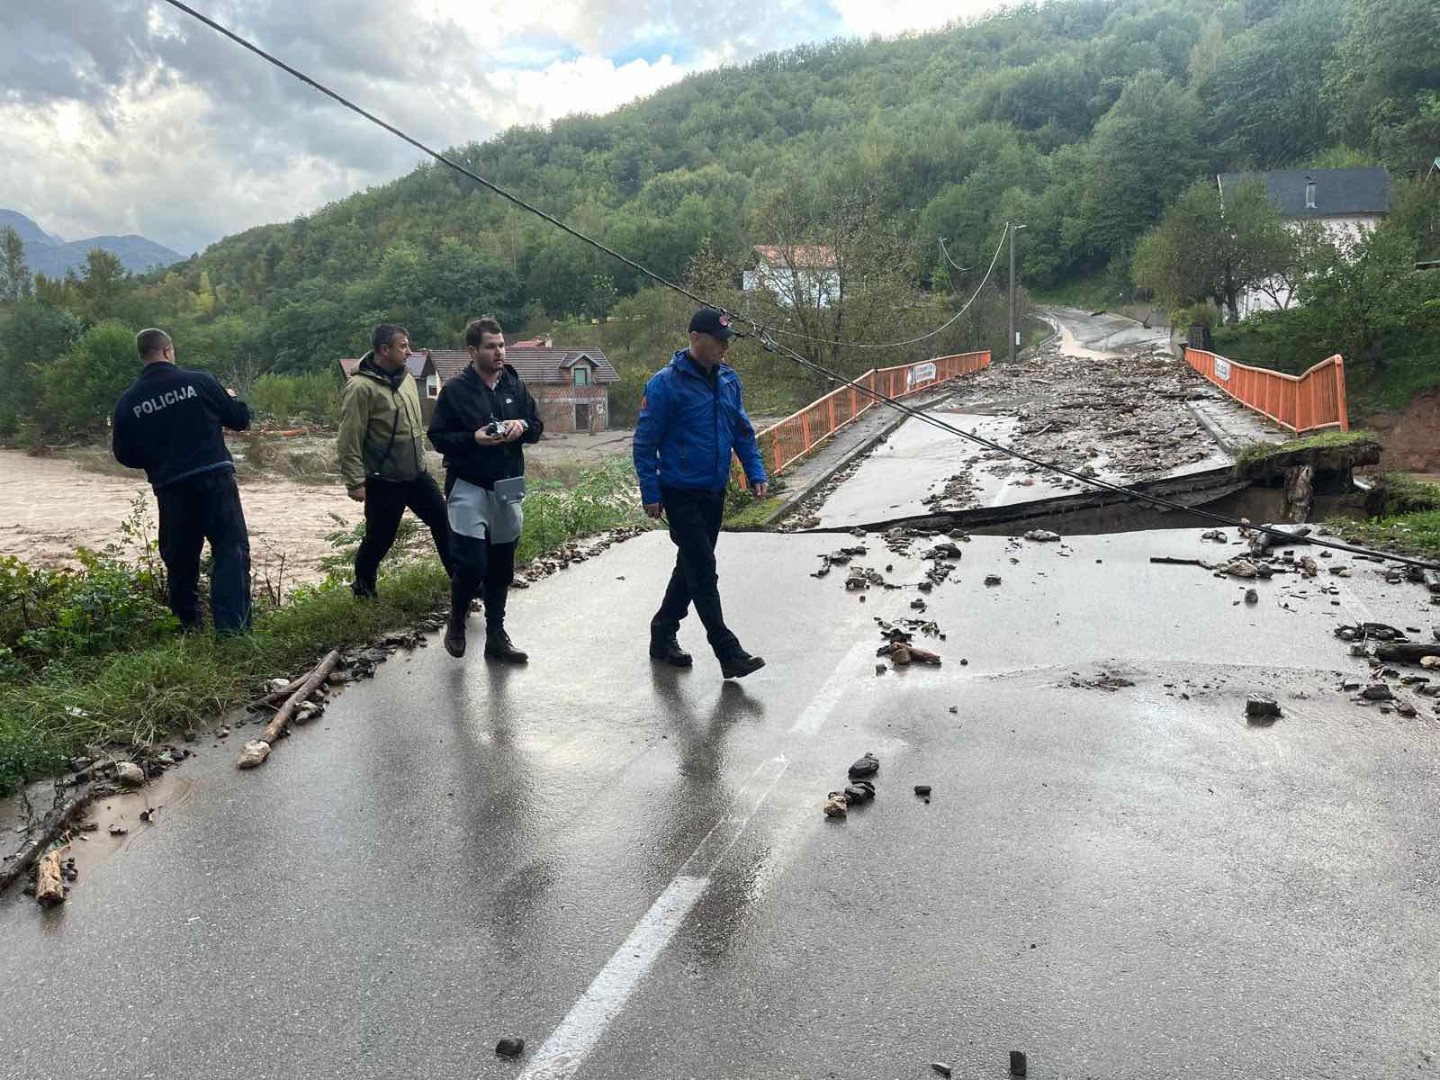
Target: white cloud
point(129, 117)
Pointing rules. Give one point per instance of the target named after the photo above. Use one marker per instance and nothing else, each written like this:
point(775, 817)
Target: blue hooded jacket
point(688, 427)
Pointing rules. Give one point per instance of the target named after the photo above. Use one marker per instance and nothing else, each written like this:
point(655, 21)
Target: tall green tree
point(16, 283)
point(1209, 248)
point(1385, 80)
point(1143, 153)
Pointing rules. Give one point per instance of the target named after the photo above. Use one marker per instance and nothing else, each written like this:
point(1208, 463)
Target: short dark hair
point(476, 329)
point(385, 334)
point(151, 341)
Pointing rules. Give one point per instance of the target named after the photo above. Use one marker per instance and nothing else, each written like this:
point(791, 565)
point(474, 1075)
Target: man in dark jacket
point(481, 419)
point(691, 419)
point(382, 454)
point(169, 424)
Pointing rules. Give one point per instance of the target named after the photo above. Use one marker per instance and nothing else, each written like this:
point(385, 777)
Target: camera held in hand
point(495, 429)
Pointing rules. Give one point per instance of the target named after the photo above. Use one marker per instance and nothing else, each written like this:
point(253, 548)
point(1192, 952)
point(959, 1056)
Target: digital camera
point(495, 427)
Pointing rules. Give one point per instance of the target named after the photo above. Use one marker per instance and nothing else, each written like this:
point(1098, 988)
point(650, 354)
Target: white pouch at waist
point(477, 513)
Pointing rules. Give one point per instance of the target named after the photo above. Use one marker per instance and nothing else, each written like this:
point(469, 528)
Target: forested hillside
point(1081, 119)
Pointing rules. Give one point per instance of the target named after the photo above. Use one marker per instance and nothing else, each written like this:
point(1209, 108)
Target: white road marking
point(605, 998)
point(836, 687)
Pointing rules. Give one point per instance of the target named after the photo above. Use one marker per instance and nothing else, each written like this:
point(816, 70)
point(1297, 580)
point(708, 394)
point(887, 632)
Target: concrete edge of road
point(794, 499)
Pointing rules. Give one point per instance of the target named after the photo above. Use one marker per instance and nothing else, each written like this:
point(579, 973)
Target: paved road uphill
point(627, 866)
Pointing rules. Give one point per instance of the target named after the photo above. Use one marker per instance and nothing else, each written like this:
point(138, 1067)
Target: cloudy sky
point(126, 116)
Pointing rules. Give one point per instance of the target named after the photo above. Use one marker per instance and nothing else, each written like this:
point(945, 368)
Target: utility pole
point(1014, 331)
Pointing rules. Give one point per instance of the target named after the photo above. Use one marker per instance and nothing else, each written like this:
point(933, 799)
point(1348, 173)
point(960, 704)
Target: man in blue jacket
point(691, 419)
point(169, 424)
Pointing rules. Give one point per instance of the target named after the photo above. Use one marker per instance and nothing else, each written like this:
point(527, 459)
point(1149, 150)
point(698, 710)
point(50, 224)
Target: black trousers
point(385, 504)
point(694, 518)
point(481, 567)
point(192, 511)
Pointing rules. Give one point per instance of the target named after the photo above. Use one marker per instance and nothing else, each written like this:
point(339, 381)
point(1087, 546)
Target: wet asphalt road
point(1122, 884)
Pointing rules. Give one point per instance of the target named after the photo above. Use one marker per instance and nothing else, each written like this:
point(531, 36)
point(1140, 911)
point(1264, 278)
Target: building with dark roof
point(570, 384)
point(1346, 202)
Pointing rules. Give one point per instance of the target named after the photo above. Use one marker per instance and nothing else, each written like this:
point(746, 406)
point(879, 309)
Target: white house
point(800, 275)
point(1347, 203)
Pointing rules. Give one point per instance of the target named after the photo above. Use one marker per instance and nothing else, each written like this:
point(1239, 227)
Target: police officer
point(169, 424)
point(481, 419)
point(691, 418)
point(382, 454)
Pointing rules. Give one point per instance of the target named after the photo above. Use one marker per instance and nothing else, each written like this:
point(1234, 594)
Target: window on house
point(1309, 194)
point(432, 386)
point(581, 375)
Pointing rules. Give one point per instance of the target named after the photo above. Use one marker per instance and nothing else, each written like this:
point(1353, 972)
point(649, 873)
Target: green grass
point(1405, 534)
point(162, 683)
point(136, 696)
point(1409, 523)
point(1258, 451)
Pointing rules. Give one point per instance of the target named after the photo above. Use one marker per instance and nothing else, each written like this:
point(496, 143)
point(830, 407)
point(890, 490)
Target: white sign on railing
point(920, 373)
point(1222, 369)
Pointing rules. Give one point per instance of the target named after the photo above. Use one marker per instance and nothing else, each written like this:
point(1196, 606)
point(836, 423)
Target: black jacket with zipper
point(466, 405)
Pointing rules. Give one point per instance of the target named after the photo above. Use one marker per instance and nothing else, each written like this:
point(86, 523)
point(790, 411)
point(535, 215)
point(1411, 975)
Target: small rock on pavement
point(941, 1067)
point(1042, 536)
point(1377, 692)
point(992, 579)
point(1404, 708)
point(1251, 596)
point(129, 774)
point(1017, 1063)
point(868, 765)
point(836, 806)
point(1261, 707)
point(510, 1048)
point(922, 790)
point(254, 754)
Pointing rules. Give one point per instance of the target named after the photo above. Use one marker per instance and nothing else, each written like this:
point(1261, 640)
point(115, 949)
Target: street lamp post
point(1014, 331)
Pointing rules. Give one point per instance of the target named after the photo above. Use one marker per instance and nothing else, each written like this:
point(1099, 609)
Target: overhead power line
point(758, 331)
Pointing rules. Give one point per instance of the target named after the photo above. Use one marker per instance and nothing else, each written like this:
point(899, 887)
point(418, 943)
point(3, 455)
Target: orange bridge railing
point(1308, 402)
point(791, 439)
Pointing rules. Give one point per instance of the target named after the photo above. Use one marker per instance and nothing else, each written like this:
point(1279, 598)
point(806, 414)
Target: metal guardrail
point(1312, 401)
point(788, 441)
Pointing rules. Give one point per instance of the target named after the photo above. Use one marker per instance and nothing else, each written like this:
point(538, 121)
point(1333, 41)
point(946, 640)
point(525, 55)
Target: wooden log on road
point(49, 884)
point(56, 822)
point(1410, 652)
point(281, 719)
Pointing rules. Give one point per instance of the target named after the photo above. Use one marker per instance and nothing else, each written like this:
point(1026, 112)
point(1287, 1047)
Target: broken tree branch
point(313, 681)
point(56, 822)
point(49, 884)
point(1409, 652)
point(1166, 560)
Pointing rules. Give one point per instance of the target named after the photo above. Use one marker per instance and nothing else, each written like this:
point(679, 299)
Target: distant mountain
point(52, 255)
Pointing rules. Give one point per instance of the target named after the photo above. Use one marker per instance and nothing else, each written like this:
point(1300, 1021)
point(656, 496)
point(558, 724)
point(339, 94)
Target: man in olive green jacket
point(382, 454)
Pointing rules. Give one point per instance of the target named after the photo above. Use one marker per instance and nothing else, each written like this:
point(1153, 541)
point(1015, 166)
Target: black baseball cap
point(712, 322)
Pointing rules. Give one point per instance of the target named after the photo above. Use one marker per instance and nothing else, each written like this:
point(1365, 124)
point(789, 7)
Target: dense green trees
point(1084, 119)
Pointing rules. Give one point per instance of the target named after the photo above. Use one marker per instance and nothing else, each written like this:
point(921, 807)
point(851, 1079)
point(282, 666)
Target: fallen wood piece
point(281, 720)
point(1432, 580)
point(255, 752)
point(1166, 560)
point(276, 697)
point(49, 885)
point(1410, 652)
point(56, 822)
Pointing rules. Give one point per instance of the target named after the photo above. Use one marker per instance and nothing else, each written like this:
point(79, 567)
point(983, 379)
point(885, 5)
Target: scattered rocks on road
point(128, 774)
point(1261, 707)
point(510, 1048)
point(866, 766)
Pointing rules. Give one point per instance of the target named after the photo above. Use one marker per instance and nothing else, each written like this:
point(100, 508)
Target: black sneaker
point(498, 646)
point(739, 664)
point(668, 649)
point(362, 591)
point(455, 636)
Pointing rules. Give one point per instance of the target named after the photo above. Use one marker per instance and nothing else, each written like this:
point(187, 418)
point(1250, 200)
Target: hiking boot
point(498, 646)
point(668, 649)
point(738, 664)
point(455, 636)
